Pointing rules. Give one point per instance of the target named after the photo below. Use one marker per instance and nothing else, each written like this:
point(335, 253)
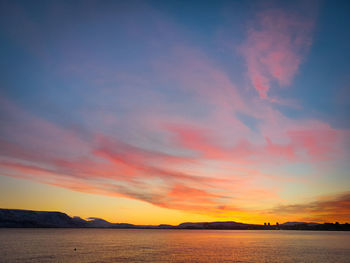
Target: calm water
point(114, 245)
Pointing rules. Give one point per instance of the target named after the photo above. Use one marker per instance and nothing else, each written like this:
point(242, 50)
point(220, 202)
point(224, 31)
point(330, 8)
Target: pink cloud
point(287, 151)
point(116, 168)
point(318, 143)
point(312, 142)
point(274, 48)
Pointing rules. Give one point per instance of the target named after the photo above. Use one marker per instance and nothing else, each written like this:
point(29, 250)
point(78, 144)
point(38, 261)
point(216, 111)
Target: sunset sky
point(152, 112)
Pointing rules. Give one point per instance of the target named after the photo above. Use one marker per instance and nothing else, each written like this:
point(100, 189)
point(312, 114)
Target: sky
point(152, 112)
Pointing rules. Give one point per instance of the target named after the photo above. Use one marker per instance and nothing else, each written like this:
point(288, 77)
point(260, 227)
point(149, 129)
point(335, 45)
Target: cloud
point(106, 165)
point(325, 209)
point(109, 166)
point(312, 142)
point(274, 48)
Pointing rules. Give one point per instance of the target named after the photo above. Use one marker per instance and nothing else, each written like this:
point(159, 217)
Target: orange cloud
point(325, 209)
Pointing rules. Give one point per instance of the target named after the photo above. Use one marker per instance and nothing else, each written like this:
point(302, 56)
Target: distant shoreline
point(16, 218)
point(184, 229)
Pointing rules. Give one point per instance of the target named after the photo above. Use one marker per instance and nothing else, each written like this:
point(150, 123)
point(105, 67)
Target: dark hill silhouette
point(27, 218)
point(12, 218)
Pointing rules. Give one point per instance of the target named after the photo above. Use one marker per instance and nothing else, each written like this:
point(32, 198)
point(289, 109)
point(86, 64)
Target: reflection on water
point(115, 245)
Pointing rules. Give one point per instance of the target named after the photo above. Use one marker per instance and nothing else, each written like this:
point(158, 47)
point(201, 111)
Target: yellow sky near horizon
point(24, 194)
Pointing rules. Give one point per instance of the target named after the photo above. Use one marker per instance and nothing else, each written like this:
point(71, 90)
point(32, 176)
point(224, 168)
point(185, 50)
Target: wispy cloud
point(276, 42)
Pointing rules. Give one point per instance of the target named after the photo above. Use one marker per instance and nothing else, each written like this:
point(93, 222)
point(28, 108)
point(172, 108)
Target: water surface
point(133, 245)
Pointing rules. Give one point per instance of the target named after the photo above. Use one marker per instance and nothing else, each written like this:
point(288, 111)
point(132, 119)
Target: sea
point(165, 245)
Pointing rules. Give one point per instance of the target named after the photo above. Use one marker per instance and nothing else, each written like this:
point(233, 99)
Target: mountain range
point(17, 218)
